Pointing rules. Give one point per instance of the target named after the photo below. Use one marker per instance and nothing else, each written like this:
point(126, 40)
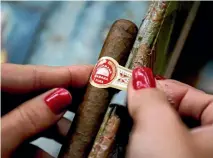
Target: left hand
point(157, 111)
point(20, 123)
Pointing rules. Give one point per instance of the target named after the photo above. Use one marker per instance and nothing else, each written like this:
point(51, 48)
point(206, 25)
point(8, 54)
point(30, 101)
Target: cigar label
point(108, 73)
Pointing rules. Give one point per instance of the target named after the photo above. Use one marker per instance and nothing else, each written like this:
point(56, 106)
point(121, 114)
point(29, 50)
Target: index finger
point(26, 78)
point(188, 101)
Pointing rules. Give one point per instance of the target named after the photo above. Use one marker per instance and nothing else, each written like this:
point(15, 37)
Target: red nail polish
point(143, 78)
point(159, 77)
point(58, 100)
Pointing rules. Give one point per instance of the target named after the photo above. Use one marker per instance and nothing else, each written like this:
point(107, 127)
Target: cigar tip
point(127, 25)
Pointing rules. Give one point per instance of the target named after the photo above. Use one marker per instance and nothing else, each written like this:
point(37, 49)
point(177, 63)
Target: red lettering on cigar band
point(124, 77)
point(104, 72)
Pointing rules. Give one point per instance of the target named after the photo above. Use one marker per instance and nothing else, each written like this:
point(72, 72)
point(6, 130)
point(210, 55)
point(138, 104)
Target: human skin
point(158, 130)
point(41, 112)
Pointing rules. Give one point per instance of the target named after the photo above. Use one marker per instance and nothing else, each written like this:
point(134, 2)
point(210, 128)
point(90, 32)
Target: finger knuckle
point(27, 119)
point(207, 113)
point(36, 78)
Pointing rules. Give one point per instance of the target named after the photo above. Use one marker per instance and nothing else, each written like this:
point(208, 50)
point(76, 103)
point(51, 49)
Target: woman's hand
point(158, 130)
point(36, 115)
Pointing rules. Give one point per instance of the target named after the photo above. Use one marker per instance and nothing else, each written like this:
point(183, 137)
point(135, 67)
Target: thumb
point(32, 117)
point(148, 105)
point(154, 119)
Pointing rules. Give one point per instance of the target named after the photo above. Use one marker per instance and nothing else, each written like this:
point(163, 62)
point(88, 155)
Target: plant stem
point(141, 55)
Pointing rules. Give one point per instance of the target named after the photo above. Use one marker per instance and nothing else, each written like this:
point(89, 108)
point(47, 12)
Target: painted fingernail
point(159, 77)
point(143, 77)
point(58, 100)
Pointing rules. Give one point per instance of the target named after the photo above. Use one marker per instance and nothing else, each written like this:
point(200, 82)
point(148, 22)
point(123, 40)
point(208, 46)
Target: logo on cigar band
point(108, 73)
point(104, 72)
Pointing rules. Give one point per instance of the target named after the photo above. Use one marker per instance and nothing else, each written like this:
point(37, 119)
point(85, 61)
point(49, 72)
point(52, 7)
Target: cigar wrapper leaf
point(141, 55)
point(91, 111)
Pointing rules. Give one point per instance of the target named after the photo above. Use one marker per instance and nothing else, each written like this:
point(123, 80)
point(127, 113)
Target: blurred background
point(60, 33)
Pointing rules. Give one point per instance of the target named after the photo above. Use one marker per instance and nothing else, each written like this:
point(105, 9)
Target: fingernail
point(159, 77)
point(143, 78)
point(58, 100)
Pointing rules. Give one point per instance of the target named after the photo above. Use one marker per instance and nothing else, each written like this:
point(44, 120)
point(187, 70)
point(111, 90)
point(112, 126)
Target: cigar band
point(108, 73)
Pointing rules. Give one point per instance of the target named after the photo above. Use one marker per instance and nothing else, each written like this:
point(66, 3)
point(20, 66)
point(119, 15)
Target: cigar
point(91, 111)
point(141, 55)
point(105, 139)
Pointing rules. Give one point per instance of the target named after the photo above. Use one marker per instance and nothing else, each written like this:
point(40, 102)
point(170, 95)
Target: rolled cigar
point(91, 111)
point(141, 55)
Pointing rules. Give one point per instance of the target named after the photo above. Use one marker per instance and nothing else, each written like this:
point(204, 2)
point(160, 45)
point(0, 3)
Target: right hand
point(28, 113)
point(158, 131)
